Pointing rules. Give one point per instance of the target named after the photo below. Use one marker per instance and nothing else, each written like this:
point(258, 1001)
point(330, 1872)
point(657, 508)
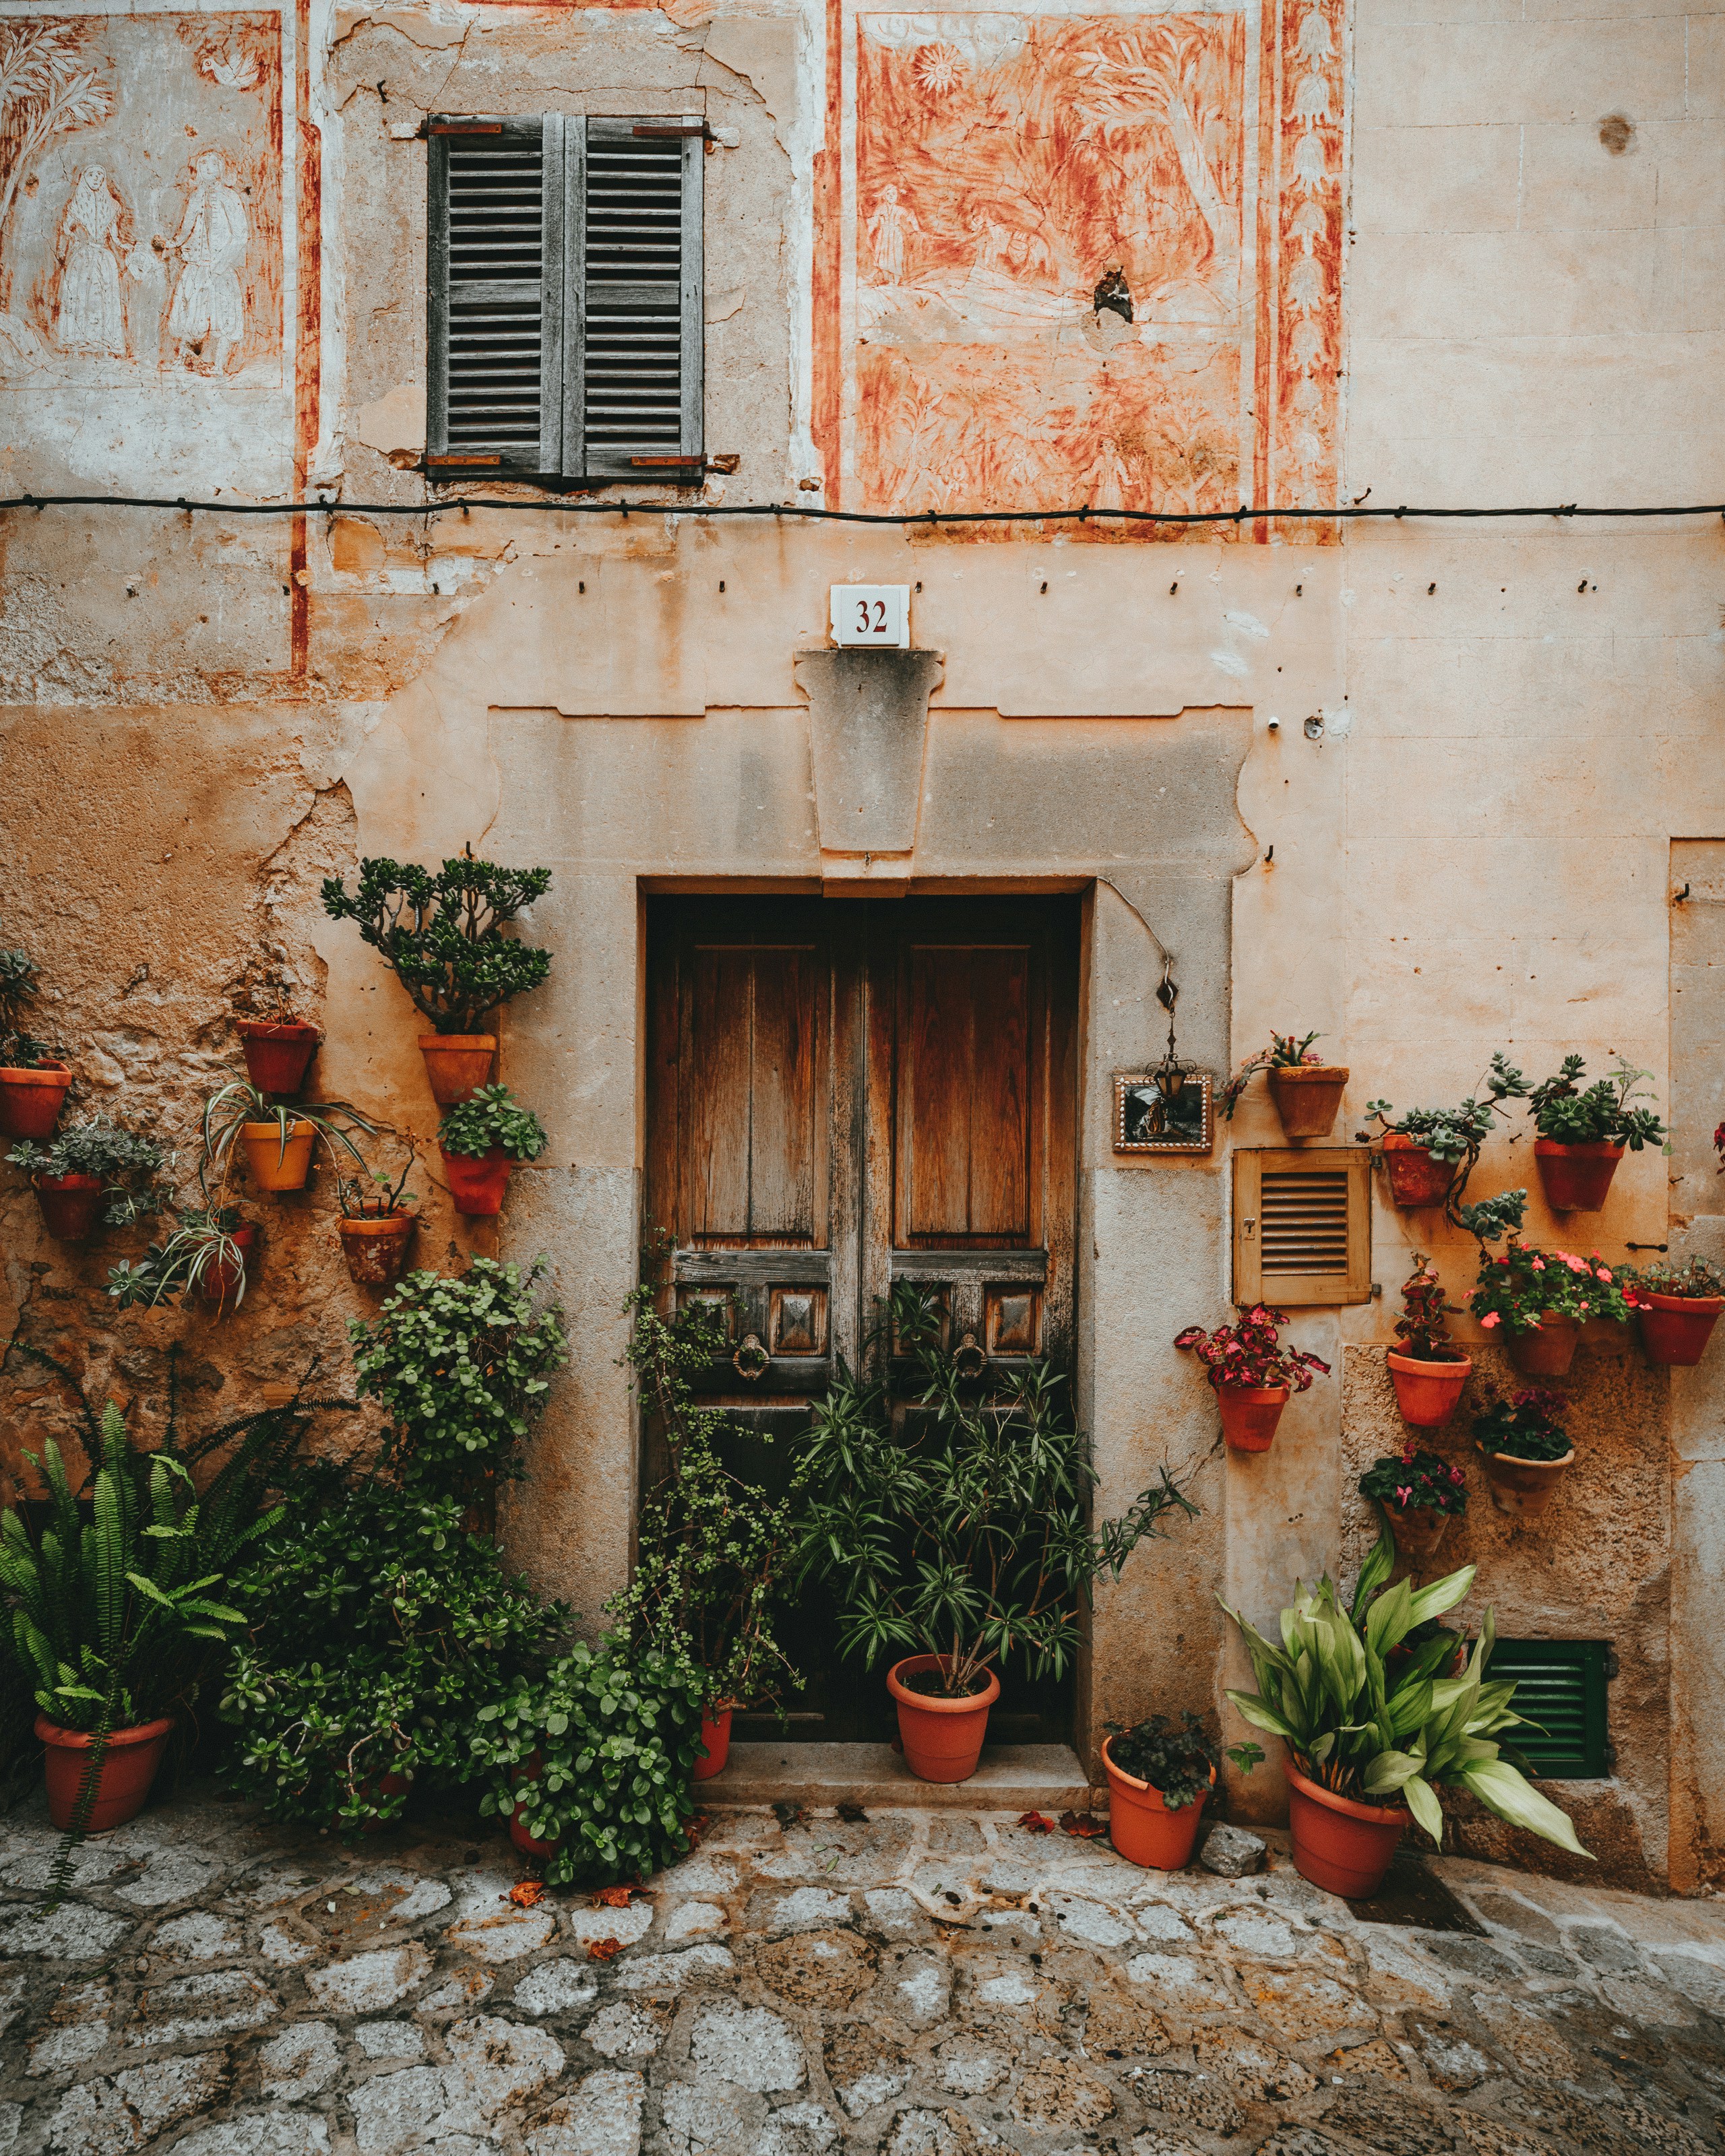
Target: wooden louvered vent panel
point(1560, 1686)
point(633, 390)
point(495, 242)
point(1302, 1226)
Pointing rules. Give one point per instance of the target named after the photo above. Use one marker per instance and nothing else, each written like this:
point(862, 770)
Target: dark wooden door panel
point(965, 1085)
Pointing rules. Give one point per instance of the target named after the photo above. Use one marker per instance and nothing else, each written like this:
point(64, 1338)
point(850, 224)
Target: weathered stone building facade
point(1429, 788)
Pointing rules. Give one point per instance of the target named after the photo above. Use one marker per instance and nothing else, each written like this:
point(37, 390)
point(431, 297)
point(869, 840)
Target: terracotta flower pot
point(375, 1246)
point(1548, 1352)
point(123, 1780)
point(70, 1204)
point(277, 1052)
point(942, 1737)
point(1308, 1098)
point(1426, 1392)
point(221, 1280)
point(31, 1101)
point(1342, 1846)
point(477, 1186)
point(1249, 1414)
point(376, 1786)
point(457, 1064)
point(1523, 1486)
point(524, 1841)
point(1576, 1177)
point(1140, 1825)
point(275, 1166)
point(1675, 1328)
point(1415, 1178)
point(1418, 1532)
point(716, 1736)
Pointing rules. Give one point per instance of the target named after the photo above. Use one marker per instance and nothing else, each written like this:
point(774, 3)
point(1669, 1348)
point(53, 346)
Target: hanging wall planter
point(1249, 1415)
point(1308, 1096)
point(457, 1064)
point(480, 1140)
point(1549, 1349)
point(222, 1281)
point(1427, 1393)
point(1251, 1373)
point(278, 1052)
point(1676, 1326)
point(70, 1204)
point(1524, 1487)
point(376, 1245)
point(1342, 1846)
point(1416, 1179)
point(1575, 1178)
point(1526, 1450)
point(278, 1155)
point(128, 1768)
point(477, 1186)
point(942, 1737)
point(31, 1098)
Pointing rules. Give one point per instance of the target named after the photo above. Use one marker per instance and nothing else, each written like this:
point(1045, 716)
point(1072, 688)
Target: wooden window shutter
point(639, 396)
point(1560, 1684)
point(1303, 1225)
point(495, 230)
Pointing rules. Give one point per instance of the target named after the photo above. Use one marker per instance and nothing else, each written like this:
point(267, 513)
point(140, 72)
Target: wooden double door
point(843, 1094)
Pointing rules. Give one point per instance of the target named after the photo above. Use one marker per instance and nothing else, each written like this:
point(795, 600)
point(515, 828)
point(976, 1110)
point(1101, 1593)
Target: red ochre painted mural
point(1078, 259)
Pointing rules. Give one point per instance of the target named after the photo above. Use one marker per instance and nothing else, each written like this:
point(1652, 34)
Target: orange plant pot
point(1415, 1178)
point(942, 1737)
point(70, 1204)
point(1426, 1392)
point(31, 1101)
point(1141, 1828)
point(277, 1053)
point(1309, 1098)
point(477, 1186)
point(1342, 1846)
point(375, 1247)
point(123, 1779)
point(716, 1736)
point(1675, 1329)
point(1523, 1487)
point(1418, 1533)
point(1249, 1414)
point(275, 1166)
point(1576, 1177)
point(1549, 1351)
point(457, 1064)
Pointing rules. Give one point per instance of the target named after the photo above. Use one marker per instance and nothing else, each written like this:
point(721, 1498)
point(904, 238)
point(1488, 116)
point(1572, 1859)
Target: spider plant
point(229, 1109)
point(204, 1252)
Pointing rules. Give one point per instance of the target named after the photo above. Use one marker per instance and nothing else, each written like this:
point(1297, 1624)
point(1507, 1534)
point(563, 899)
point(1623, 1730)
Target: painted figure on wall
point(206, 316)
point(93, 247)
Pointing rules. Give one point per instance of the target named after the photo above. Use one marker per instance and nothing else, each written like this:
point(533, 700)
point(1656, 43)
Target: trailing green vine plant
point(1454, 1135)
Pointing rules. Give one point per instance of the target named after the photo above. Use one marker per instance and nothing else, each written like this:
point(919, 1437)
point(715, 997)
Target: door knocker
point(751, 1362)
point(969, 1359)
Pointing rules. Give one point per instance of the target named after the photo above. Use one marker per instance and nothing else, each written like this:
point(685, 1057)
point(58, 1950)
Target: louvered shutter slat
point(1560, 1684)
point(1302, 1231)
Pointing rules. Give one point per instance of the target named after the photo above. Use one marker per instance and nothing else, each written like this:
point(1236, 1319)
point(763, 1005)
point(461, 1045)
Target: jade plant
point(491, 1119)
point(132, 1169)
point(1603, 1113)
point(442, 931)
point(1178, 1764)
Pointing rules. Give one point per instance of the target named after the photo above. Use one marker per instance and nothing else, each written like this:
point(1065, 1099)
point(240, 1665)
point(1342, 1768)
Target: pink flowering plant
point(1415, 1481)
point(1250, 1354)
point(1529, 1425)
point(1520, 1285)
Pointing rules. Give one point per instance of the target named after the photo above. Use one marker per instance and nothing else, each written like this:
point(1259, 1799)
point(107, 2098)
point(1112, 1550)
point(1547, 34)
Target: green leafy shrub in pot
point(492, 1120)
point(597, 1753)
point(1529, 1425)
point(19, 1051)
point(442, 932)
point(1566, 1113)
point(1178, 1763)
point(132, 1168)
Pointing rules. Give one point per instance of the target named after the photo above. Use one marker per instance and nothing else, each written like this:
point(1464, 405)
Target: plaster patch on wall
point(394, 424)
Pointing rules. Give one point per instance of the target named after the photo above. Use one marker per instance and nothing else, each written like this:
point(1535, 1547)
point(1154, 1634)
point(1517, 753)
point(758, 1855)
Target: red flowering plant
point(1415, 1482)
point(1250, 1354)
point(1521, 1284)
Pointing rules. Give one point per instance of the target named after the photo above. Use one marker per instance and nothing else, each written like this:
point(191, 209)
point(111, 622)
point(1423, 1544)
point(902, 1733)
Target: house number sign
point(872, 613)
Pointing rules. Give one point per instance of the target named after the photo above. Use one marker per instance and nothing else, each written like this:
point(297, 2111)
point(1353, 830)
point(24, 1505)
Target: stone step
point(1016, 1777)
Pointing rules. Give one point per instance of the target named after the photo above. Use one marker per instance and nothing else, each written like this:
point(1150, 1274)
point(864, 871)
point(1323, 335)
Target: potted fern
point(1428, 1370)
point(94, 1167)
point(480, 1140)
point(115, 1610)
point(1308, 1091)
point(33, 1080)
point(442, 931)
point(1584, 1131)
point(1252, 1373)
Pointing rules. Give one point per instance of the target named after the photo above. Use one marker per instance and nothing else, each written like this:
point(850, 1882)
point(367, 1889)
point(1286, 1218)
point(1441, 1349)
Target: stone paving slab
point(925, 1982)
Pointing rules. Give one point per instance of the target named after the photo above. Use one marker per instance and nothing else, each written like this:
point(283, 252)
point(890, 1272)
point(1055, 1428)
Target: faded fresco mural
point(141, 199)
point(1077, 258)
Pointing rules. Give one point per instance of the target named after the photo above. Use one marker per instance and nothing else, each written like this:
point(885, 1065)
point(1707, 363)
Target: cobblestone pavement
point(919, 1984)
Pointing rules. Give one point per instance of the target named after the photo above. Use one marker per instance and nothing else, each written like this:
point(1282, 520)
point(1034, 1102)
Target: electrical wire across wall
point(563, 505)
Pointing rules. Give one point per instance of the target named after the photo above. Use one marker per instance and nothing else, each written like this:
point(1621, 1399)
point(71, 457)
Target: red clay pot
point(1549, 1351)
point(942, 1737)
point(1426, 1392)
point(221, 1280)
point(1576, 1177)
point(378, 1785)
point(518, 1834)
point(31, 1101)
point(1249, 1415)
point(70, 1204)
point(375, 1246)
point(1415, 1178)
point(123, 1780)
point(1418, 1533)
point(1308, 1098)
point(716, 1736)
point(477, 1186)
point(277, 1052)
point(1342, 1846)
point(457, 1064)
point(1523, 1487)
point(1141, 1828)
point(1675, 1328)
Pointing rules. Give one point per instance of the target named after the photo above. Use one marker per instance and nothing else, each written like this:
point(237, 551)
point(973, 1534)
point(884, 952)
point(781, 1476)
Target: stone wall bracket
point(868, 724)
